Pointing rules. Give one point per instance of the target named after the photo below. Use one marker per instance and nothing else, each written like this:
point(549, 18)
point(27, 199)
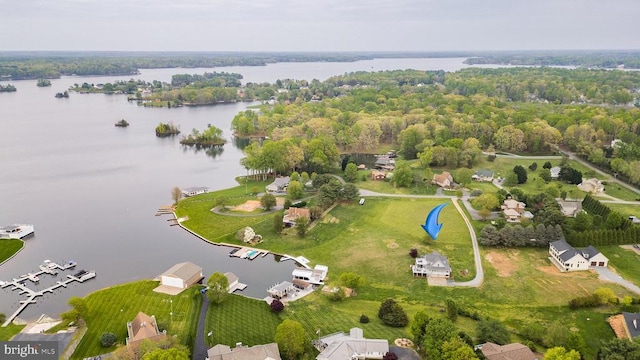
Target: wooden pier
point(49, 268)
point(248, 253)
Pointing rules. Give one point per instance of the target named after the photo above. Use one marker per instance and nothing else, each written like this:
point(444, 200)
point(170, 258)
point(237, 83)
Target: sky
point(318, 25)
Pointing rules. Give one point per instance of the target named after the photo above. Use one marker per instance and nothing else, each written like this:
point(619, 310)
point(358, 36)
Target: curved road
point(479, 278)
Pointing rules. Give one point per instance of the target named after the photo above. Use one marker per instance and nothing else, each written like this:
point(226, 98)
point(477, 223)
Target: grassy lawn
point(623, 261)
point(386, 187)
point(110, 310)
point(625, 209)
point(8, 332)
point(620, 192)
point(9, 247)
point(241, 319)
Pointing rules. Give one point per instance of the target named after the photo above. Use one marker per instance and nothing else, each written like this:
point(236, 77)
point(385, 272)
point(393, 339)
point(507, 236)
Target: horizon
point(324, 25)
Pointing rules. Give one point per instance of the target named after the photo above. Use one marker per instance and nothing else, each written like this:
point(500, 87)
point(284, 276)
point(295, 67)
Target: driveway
point(607, 275)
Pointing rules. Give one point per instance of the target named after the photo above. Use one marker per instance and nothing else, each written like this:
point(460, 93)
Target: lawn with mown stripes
point(9, 247)
point(110, 309)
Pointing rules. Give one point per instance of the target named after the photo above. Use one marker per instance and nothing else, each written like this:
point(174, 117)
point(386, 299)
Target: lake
point(92, 189)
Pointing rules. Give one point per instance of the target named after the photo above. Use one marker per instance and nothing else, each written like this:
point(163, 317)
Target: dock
point(49, 268)
point(164, 210)
point(248, 253)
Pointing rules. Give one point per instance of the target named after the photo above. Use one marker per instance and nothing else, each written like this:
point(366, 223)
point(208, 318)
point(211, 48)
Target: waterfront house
point(181, 276)
point(192, 191)
point(352, 346)
point(514, 351)
point(315, 276)
point(142, 328)
point(244, 352)
point(16, 231)
point(432, 265)
point(281, 290)
point(567, 258)
point(279, 184)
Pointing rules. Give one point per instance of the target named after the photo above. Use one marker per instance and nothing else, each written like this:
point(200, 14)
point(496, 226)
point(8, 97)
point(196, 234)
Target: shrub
point(390, 356)
point(413, 253)
point(476, 192)
point(276, 306)
point(392, 314)
point(108, 339)
point(364, 319)
point(336, 294)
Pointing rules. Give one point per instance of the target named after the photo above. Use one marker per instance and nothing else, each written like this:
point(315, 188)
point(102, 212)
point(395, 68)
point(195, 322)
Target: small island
point(43, 83)
point(212, 136)
point(164, 130)
point(122, 123)
point(60, 95)
point(7, 88)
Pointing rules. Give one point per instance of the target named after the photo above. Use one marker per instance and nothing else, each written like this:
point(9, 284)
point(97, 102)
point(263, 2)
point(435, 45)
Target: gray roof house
point(555, 172)
point(192, 191)
point(631, 324)
point(352, 346)
point(432, 265)
point(514, 351)
point(243, 352)
point(568, 258)
point(279, 184)
point(483, 175)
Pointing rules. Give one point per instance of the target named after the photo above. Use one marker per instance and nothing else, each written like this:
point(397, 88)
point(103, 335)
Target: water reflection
point(211, 151)
point(240, 142)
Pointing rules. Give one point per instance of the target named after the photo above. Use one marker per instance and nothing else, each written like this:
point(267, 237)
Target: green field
point(110, 310)
point(625, 209)
point(9, 247)
point(8, 332)
point(623, 261)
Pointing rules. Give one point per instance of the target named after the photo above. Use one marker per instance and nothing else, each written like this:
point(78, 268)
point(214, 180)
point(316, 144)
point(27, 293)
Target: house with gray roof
point(352, 346)
point(514, 351)
point(555, 172)
point(631, 325)
point(279, 184)
point(483, 175)
point(193, 191)
point(568, 258)
point(243, 352)
point(432, 265)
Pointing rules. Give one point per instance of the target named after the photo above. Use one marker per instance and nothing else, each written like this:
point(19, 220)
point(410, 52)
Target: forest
point(446, 119)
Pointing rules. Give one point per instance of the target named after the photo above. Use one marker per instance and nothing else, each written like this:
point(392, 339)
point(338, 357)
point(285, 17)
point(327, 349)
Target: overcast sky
point(318, 25)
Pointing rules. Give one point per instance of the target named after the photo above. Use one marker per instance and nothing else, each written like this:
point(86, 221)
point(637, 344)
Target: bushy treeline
point(595, 207)
point(513, 236)
point(630, 235)
point(218, 79)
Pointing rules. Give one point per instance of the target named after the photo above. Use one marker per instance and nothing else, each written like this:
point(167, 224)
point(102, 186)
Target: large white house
point(568, 258)
point(352, 346)
point(432, 265)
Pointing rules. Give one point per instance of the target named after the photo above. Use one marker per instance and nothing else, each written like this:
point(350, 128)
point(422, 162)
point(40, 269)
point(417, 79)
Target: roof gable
point(184, 270)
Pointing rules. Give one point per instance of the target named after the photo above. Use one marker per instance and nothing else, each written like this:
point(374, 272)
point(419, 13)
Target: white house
point(279, 184)
point(181, 275)
point(315, 276)
point(592, 186)
point(568, 258)
point(432, 265)
point(352, 346)
point(555, 172)
point(192, 191)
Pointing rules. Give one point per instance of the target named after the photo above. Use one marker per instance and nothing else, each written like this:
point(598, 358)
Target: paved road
point(573, 156)
point(605, 274)
point(199, 347)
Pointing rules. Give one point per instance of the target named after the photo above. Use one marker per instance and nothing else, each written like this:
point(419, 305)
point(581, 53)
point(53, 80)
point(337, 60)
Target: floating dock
point(247, 253)
point(49, 268)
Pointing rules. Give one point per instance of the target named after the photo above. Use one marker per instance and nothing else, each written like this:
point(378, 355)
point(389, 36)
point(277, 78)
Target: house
point(293, 213)
point(432, 265)
point(233, 281)
point(142, 327)
point(634, 219)
point(281, 290)
point(555, 172)
point(483, 175)
point(385, 162)
point(444, 180)
point(181, 275)
point(514, 211)
point(569, 208)
point(592, 186)
point(567, 258)
point(315, 276)
point(192, 191)
point(631, 325)
point(279, 184)
point(514, 351)
point(352, 346)
point(378, 175)
point(243, 352)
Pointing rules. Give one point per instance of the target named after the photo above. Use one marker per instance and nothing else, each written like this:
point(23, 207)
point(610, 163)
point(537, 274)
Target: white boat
point(16, 231)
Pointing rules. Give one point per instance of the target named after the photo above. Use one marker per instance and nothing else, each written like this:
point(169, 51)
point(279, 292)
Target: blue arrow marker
point(431, 225)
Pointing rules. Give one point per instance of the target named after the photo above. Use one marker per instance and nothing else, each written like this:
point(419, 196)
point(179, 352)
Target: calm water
point(92, 189)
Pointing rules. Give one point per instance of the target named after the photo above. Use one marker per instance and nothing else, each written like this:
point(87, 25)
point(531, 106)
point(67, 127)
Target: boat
point(16, 231)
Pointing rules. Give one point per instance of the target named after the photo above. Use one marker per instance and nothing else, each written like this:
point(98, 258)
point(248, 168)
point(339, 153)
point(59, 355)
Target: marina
point(49, 268)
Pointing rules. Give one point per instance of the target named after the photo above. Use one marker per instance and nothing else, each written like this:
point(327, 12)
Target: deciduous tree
point(218, 287)
point(290, 337)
